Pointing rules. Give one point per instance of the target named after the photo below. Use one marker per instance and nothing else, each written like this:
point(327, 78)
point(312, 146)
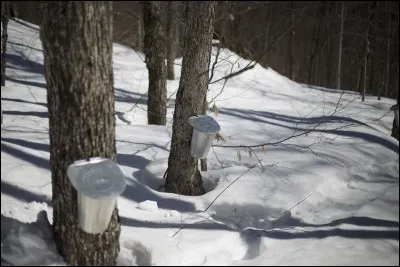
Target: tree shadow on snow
point(133, 98)
point(24, 45)
point(134, 191)
point(24, 63)
point(254, 221)
point(23, 101)
point(21, 154)
point(277, 119)
point(40, 114)
point(26, 82)
point(138, 192)
point(24, 195)
point(318, 234)
point(33, 27)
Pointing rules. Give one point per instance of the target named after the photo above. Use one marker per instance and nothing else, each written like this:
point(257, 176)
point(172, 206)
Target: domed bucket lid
point(98, 178)
point(205, 124)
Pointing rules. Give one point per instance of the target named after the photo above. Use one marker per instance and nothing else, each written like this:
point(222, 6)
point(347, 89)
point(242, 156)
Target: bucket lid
point(98, 178)
point(205, 124)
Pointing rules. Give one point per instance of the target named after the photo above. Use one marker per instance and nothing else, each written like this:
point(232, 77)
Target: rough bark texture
point(77, 45)
point(172, 41)
point(5, 11)
point(154, 49)
point(183, 176)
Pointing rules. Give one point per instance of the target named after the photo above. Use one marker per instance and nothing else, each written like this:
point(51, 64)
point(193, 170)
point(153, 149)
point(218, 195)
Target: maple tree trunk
point(77, 46)
point(183, 176)
point(154, 49)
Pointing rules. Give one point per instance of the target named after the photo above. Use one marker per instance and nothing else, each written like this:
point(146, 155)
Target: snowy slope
point(345, 169)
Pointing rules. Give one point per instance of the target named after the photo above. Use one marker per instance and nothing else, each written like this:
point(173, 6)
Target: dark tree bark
point(395, 130)
point(77, 45)
point(395, 127)
point(290, 44)
point(183, 176)
point(387, 71)
point(140, 31)
point(154, 49)
point(172, 40)
point(372, 52)
point(313, 47)
point(5, 12)
point(328, 6)
point(371, 8)
point(339, 64)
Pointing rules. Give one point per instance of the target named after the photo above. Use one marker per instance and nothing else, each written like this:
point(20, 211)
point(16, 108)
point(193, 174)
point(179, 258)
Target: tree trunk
point(313, 47)
point(372, 54)
point(140, 31)
point(395, 130)
point(5, 12)
point(172, 41)
point(265, 39)
point(367, 51)
point(339, 66)
point(290, 46)
point(329, 65)
point(387, 57)
point(358, 84)
point(77, 45)
point(154, 49)
point(183, 175)
point(329, 52)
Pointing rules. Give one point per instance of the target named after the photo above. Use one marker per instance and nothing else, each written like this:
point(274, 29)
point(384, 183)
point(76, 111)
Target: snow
point(148, 205)
point(329, 197)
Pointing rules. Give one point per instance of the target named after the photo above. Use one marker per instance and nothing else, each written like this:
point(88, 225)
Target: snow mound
point(148, 205)
point(133, 253)
point(28, 244)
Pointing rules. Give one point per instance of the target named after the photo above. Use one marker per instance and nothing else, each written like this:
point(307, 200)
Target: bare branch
point(231, 75)
point(214, 63)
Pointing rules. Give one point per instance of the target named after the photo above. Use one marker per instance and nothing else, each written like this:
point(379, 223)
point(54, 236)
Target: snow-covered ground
point(346, 182)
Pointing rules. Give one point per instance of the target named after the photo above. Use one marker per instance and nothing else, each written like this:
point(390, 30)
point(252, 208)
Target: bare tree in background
point(183, 176)
point(172, 41)
point(77, 46)
point(367, 47)
point(290, 44)
point(5, 12)
point(339, 65)
point(388, 42)
point(154, 49)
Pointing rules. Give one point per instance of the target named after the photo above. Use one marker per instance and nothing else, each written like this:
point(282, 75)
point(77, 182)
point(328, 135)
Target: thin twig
point(229, 186)
point(298, 203)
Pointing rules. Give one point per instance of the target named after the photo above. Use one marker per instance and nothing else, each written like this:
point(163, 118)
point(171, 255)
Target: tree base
point(193, 187)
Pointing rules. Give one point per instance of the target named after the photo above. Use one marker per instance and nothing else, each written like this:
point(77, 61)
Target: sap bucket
point(98, 182)
point(205, 129)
